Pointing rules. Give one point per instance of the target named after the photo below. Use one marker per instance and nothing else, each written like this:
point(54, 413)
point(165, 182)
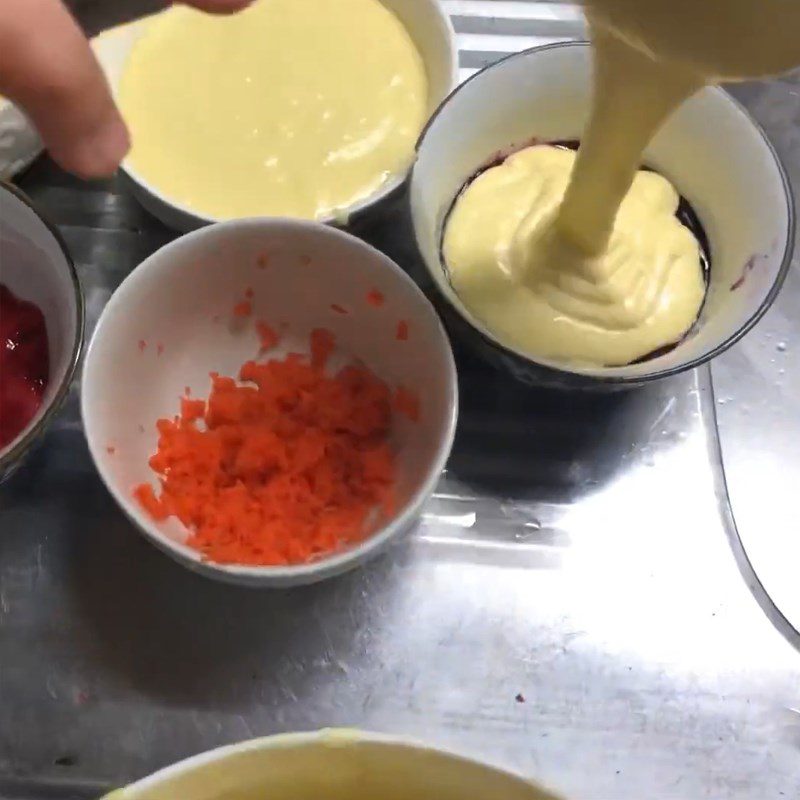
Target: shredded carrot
point(339, 309)
point(406, 403)
point(151, 504)
point(269, 338)
point(402, 331)
point(375, 298)
point(323, 343)
point(243, 309)
point(192, 409)
point(282, 466)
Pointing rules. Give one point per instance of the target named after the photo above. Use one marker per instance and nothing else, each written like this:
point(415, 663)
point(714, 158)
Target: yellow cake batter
point(292, 107)
point(643, 291)
point(582, 260)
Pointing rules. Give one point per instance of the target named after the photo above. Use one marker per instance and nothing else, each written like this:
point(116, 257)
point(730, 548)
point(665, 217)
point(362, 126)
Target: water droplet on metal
point(530, 531)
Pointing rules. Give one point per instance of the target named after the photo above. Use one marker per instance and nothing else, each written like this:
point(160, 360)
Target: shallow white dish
point(170, 323)
point(336, 765)
point(711, 149)
point(36, 266)
point(426, 22)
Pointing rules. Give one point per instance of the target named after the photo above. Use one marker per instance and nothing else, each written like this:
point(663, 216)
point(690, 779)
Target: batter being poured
point(582, 260)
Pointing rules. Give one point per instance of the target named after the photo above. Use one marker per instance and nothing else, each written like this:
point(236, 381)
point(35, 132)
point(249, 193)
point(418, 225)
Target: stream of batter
point(582, 260)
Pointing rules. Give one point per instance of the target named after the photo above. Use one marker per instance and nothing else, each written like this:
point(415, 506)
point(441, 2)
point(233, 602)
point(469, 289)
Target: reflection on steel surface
point(758, 396)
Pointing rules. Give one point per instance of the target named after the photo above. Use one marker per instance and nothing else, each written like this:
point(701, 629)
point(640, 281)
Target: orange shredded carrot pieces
point(290, 464)
point(407, 403)
point(323, 344)
point(375, 298)
point(192, 410)
point(151, 504)
point(267, 335)
point(243, 309)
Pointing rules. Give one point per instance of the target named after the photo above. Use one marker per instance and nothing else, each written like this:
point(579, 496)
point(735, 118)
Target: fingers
point(218, 6)
point(47, 68)
point(99, 15)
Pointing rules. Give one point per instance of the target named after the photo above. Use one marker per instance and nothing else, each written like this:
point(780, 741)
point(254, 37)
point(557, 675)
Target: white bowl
point(711, 149)
point(425, 21)
point(335, 765)
point(178, 304)
point(36, 266)
point(19, 142)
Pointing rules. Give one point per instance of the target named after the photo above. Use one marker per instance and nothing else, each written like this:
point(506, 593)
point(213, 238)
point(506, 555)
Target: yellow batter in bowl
point(330, 765)
point(542, 297)
point(581, 260)
point(296, 108)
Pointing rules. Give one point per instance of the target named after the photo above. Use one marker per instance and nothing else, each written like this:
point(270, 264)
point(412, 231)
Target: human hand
point(48, 69)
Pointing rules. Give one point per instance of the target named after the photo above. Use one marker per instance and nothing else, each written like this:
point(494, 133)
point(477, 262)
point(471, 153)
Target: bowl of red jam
point(41, 326)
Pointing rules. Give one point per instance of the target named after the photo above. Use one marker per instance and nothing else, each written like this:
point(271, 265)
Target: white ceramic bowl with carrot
point(306, 462)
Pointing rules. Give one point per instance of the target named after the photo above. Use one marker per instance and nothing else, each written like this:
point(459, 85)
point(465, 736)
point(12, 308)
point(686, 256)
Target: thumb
point(48, 69)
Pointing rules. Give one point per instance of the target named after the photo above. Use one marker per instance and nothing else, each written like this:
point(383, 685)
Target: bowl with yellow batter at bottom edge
point(714, 153)
point(330, 765)
point(432, 35)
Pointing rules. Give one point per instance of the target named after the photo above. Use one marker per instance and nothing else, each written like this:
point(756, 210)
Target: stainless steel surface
point(758, 395)
point(570, 607)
